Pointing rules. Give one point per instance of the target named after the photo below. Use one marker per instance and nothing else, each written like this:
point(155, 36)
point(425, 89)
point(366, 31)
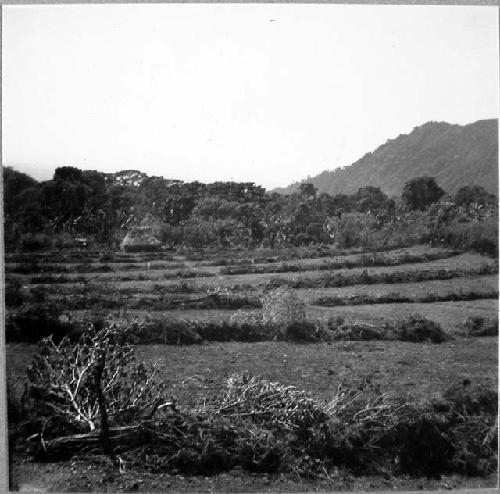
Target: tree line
point(91, 204)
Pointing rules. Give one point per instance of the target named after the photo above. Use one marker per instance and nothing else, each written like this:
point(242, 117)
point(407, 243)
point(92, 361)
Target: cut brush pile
point(93, 397)
point(263, 426)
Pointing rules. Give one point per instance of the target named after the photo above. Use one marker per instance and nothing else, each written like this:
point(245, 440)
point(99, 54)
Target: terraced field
point(372, 288)
point(134, 282)
point(462, 284)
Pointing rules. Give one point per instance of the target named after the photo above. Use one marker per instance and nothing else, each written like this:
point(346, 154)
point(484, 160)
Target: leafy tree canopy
point(421, 192)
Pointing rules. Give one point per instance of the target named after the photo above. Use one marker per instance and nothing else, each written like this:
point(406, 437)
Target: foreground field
point(418, 370)
point(421, 370)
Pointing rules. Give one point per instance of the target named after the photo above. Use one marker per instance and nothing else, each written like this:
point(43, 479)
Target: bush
point(359, 332)
point(282, 307)
point(73, 382)
point(166, 333)
point(471, 399)
point(243, 316)
point(299, 331)
point(418, 329)
point(34, 323)
point(479, 326)
point(194, 332)
point(472, 410)
point(352, 229)
point(423, 448)
point(479, 236)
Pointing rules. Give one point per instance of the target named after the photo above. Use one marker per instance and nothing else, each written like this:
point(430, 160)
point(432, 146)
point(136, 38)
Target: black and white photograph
point(250, 247)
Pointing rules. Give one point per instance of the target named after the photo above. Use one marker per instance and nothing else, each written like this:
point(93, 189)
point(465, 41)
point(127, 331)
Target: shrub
point(359, 332)
point(299, 331)
point(472, 411)
point(62, 380)
point(481, 236)
point(352, 229)
point(166, 333)
point(282, 307)
point(243, 316)
point(417, 329)
point(37, 322)
point(471, 399)
point(423, 446)
point(479, 326)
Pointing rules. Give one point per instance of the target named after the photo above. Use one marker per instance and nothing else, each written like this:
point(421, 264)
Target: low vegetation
point(391, 298)
point(337, 280)
point(253, 423)
point(365, 260)
point(479, 326)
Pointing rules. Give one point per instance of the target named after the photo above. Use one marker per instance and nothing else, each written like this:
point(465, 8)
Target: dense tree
point(178, 209)
point(369, 199)
point(307, 190)
point(104, 207)
point(215, 208)
point(421, 192)
point(474, 194)
point(68, 174)
point(14, 183)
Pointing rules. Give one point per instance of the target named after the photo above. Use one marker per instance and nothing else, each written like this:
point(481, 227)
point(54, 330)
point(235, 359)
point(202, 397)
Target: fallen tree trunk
point(120, 439)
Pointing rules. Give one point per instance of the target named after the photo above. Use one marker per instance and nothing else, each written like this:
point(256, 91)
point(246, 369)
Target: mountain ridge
point(456, 155)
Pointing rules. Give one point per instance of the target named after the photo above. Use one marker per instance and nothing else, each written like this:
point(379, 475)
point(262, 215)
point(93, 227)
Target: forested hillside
point(455, 155)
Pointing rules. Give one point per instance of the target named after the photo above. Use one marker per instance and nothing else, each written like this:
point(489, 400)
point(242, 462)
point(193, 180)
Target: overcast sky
point(263, 93)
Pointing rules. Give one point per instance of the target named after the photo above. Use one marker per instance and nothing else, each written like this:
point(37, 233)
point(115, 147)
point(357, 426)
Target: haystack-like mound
point(140, 239)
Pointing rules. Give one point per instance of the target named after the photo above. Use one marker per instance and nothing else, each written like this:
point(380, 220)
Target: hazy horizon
point(264, 93)
point(42, 174)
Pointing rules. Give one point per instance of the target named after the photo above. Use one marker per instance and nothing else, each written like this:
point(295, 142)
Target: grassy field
point(398, 367)
point(419, 370)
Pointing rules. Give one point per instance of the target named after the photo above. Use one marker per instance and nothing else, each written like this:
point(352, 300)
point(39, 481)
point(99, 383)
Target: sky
point(263, 93)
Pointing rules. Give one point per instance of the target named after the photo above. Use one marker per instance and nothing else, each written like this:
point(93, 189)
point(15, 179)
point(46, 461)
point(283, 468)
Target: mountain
point(456, 155)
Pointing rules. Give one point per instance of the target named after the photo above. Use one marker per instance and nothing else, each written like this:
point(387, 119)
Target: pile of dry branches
point(266, 402)
point(120, 410)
